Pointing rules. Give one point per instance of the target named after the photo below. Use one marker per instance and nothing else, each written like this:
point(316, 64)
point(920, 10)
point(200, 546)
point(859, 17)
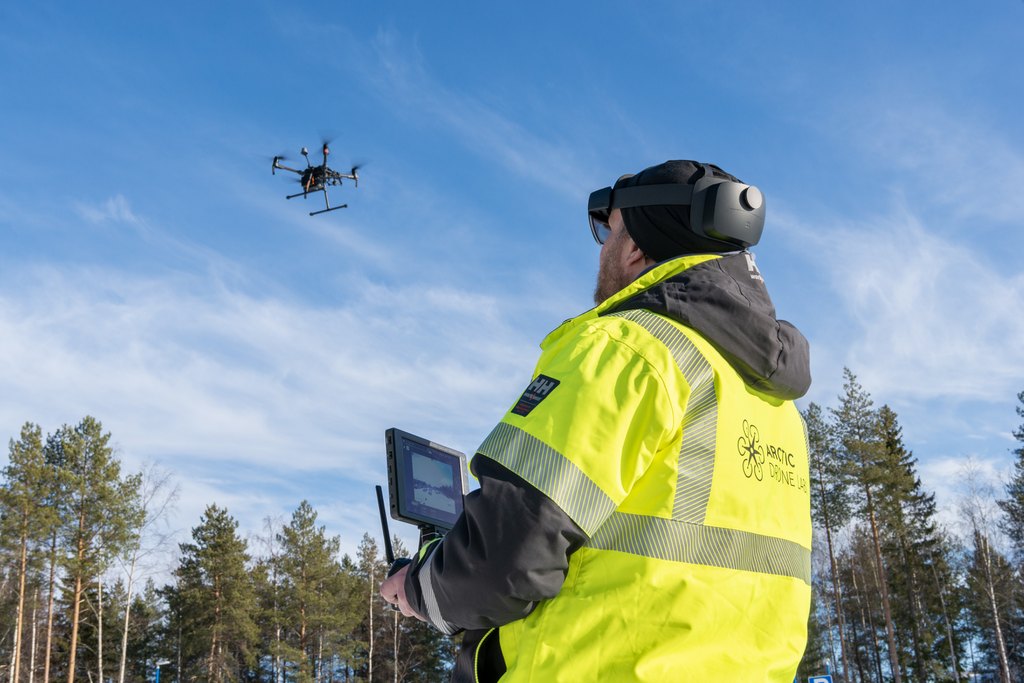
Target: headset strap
point(652, 195)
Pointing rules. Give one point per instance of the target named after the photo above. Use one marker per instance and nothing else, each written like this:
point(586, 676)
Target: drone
point(316, 178)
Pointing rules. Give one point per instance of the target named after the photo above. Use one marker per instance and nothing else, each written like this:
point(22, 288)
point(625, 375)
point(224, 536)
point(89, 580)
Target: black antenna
point(388, 550)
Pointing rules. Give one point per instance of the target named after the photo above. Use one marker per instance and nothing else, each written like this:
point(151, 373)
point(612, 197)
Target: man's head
point(682, 207)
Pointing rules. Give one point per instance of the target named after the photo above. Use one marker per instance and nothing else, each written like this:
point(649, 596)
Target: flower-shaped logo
point(750, 450)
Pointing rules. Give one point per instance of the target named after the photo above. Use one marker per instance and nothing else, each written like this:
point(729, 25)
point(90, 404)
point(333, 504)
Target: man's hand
point(392, 589)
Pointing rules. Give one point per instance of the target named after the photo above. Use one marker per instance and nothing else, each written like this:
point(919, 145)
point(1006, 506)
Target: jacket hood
point(725, 300)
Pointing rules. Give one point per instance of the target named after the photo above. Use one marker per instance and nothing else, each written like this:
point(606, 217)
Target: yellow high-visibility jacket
point(644, 510)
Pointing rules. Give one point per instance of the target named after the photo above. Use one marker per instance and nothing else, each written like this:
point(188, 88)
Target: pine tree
point(910, 544)
point(215, 602)
point(24, 522)
point(267, 580)
point(144, 632)
point(309, 574)
point(55, 498)
point(1012, 506)
point(97, 511)
point(860, 448)
point(348, 647)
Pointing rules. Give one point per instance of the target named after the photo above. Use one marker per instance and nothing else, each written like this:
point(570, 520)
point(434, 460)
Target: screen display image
point(431, 483)
point(433, 477)
point(426, 480)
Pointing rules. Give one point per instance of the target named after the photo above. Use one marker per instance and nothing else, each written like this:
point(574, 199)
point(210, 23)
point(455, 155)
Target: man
point(643, 511)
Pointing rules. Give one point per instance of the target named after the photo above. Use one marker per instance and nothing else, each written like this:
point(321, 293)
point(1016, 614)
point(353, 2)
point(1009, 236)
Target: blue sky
point(153, 275)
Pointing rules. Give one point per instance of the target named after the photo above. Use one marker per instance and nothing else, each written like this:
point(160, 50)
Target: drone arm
point(279, 166)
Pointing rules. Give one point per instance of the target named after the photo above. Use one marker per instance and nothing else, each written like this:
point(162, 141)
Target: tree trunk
point(77, 600)
point(99, 630)
point(945, 618)
point(917, 614)
point(35, 626)
point(831, 641)
point(278, 665)
point(889, 632)
point(867, 623)
point(857, 658)
point(127, 616)
point(1004, 665)
point(394, 659)
point(371, 627)
point(214, 636)
point(49, 608)
point(307, 654)
point(22, 571)
point(75, 615)
point(837, 596)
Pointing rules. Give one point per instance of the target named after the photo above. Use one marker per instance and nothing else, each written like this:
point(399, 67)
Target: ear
point(633, 258)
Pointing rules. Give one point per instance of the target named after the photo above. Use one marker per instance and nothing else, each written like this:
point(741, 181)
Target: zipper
point(476, 656)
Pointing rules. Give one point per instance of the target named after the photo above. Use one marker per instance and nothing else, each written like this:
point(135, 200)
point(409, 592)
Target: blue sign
point(827, 678)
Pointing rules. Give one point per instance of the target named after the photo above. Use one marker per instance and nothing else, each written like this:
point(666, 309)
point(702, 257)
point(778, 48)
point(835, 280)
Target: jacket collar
point(722, 297)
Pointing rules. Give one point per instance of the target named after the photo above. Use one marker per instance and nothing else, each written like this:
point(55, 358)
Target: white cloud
point(115, 209)
point(962, 163)
point(190, 366)
point(931, 317)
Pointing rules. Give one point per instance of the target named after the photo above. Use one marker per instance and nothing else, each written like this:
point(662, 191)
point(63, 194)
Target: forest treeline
point(77, 536)
point(896, 595)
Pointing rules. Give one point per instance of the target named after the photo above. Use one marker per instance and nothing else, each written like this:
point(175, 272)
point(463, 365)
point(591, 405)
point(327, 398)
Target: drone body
point(317, 178)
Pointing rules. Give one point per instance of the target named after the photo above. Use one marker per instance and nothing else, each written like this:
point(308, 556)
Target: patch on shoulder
point(538, 390)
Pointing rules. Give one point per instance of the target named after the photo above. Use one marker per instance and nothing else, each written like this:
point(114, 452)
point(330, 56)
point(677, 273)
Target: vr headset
point(720, 209)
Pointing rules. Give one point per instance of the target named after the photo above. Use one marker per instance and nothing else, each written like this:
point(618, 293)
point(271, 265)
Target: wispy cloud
point(931, 316)
point(194, 367)
point(949, 157)
point(405, 81)
point(254, 396)
point(114, 209)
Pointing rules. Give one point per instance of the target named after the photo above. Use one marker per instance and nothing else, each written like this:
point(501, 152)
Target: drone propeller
point(358, 165)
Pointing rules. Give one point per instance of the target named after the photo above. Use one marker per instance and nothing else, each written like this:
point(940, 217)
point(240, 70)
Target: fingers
point(392, 589)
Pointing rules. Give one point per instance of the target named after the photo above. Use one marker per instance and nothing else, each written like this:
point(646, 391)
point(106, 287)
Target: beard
point(611, 276)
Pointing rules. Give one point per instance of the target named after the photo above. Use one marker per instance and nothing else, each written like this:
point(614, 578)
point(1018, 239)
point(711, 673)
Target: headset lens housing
point(598, 209)
point(600, 229)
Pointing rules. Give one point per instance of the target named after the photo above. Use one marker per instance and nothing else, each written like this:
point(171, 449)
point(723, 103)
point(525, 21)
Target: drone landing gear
point(304, 194)
point(329, 208)
point(326, 200)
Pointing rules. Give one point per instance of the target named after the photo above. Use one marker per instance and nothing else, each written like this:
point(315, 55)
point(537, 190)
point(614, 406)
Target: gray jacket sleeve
point(508, 551)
